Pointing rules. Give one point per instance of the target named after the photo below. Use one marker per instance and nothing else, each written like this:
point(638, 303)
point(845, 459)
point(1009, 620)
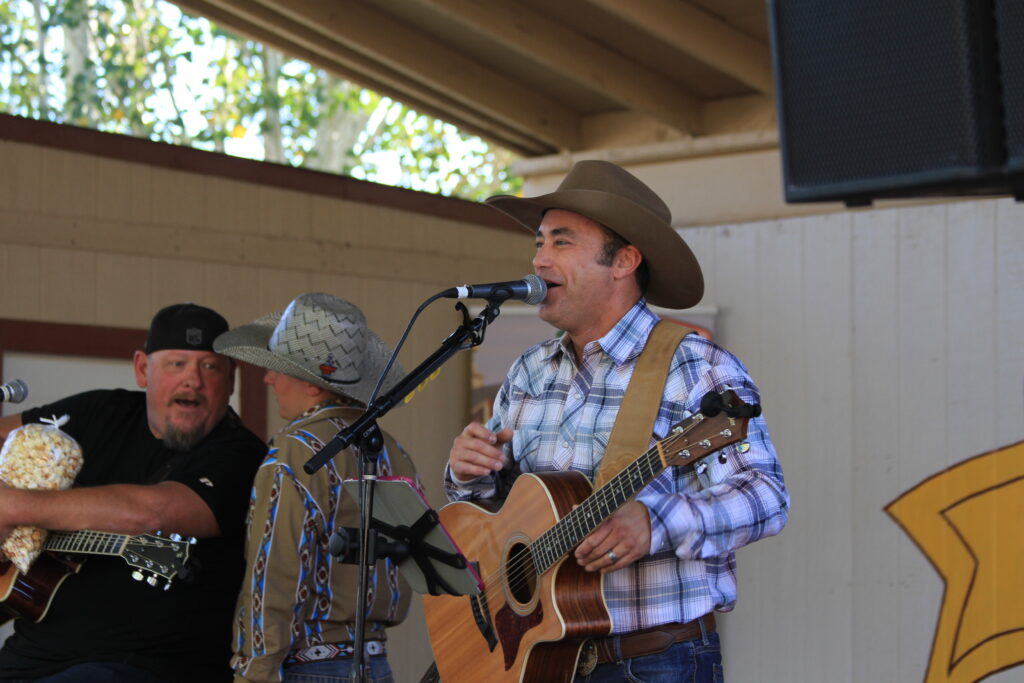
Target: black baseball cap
point(184, 326)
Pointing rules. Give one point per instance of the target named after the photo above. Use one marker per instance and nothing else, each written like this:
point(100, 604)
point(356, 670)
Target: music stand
point(427, 556)
point(365, 436)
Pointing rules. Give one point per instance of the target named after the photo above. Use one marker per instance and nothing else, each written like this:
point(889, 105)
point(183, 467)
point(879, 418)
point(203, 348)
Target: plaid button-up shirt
point(562, 417)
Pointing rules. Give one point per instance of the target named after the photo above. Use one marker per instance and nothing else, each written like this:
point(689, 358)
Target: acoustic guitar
point(538, 608)
point(30, 594)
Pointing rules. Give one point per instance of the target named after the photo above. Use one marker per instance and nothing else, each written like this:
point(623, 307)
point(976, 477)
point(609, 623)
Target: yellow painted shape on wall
point(968, 521)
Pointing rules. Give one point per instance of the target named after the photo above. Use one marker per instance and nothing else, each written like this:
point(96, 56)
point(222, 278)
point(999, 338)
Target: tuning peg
point(152, 580)
point(191, 540)
point(167, 586)
point(711, 404)
point(175, 537)
point(158, 532)
point(137, 575)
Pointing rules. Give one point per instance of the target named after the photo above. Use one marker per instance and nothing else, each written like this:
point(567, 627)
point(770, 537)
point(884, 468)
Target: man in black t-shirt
point(174, 458)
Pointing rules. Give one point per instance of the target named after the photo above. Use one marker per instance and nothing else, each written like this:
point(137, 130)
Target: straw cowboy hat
point(612, 196)
point(319, 339)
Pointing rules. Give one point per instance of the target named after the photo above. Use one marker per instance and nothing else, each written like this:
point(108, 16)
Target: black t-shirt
point(101, 613)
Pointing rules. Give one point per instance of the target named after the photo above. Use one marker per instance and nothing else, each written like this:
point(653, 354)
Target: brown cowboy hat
point(617, 199)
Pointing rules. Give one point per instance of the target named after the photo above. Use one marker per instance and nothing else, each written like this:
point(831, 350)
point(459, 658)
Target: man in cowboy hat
point(606, 247)
point(296, 612)
point(176, 458)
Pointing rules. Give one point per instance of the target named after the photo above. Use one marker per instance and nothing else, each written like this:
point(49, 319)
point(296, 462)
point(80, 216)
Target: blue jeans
point(338, 671)
point(693, 661)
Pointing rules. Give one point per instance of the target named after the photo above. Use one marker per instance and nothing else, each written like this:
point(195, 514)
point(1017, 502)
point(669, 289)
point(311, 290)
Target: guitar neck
point(688, 441)
point(86, 542)
point(560, 539)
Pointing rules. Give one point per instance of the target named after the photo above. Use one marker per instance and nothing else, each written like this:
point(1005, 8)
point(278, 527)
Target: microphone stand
point(364, 436)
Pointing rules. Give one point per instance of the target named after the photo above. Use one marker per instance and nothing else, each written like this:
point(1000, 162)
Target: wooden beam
point(702, 35)
point(732, 115)
point(560, 48)
point(741, 114)
point(359, 28)
point(271, 28)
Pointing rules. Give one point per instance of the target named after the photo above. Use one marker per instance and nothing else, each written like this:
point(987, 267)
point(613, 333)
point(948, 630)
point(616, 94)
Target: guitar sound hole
point(521, 573)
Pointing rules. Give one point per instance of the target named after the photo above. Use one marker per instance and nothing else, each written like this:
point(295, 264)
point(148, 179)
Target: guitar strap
point(634, 424)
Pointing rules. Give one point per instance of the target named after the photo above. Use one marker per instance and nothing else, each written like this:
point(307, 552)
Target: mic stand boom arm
point(364, 427)
point(365, 437)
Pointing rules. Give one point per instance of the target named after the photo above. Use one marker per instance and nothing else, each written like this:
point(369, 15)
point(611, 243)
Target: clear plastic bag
point(36, 456)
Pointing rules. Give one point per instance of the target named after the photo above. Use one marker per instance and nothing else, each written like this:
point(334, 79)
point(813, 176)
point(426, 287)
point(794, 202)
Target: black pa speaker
point(1010, 37)
point(884, 98)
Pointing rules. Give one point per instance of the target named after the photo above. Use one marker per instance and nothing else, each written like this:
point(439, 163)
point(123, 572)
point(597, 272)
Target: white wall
point(888, 345)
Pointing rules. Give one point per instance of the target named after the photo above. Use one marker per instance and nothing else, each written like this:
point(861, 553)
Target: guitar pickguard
point(511, 629)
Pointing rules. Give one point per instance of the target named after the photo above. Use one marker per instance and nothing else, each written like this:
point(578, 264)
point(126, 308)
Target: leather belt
point(652, 640)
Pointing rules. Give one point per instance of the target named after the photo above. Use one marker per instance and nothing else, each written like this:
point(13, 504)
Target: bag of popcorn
point(36, 456)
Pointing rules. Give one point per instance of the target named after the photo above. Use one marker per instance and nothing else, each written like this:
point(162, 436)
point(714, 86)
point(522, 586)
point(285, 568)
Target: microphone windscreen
point(538, 289)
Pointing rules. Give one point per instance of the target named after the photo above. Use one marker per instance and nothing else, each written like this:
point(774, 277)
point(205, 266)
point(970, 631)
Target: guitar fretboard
point(570, 531)
point(86, 542)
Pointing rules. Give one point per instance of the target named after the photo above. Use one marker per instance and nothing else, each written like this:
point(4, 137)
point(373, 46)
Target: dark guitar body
point(29, 595)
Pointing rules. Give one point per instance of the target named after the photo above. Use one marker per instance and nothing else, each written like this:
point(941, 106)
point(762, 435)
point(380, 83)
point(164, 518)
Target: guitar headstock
point(164, 558)
point(722, 422)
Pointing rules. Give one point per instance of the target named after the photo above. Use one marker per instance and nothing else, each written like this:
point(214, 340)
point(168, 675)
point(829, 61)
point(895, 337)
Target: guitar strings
point(85, 540)
point(519, 562)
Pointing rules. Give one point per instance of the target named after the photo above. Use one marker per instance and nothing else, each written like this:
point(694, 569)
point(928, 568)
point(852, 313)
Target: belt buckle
point(588, 659)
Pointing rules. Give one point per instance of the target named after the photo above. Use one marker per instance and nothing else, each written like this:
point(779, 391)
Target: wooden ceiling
point(540, 77)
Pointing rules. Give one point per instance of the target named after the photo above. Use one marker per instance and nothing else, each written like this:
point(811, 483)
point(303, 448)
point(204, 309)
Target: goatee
point(180, 439)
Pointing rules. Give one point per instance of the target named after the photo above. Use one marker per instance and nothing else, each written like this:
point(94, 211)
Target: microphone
point(13, 392)
point(531, 290)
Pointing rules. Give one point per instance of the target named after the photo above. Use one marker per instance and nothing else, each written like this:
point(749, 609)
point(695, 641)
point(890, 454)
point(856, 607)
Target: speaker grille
point(880, 98)
point(1010, 23)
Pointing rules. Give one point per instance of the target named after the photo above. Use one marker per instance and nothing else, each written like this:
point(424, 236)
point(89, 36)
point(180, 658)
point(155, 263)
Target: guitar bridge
point(482, 615)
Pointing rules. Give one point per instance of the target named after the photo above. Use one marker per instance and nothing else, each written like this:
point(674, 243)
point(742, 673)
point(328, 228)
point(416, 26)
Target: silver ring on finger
point(612, 556)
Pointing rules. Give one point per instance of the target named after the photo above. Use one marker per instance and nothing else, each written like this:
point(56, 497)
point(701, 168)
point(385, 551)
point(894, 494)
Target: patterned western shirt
point(562, 417)
point(295, 594)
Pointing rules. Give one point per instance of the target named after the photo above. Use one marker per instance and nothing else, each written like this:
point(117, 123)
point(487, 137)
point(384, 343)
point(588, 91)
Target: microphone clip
point(478, 327)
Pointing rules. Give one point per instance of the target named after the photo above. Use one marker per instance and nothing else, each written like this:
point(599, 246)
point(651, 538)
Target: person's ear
point(627, 260)
point(316, 391)
point(140, 364)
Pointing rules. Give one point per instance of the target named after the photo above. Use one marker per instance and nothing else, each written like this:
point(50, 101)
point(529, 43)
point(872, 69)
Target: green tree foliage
point(144, 68)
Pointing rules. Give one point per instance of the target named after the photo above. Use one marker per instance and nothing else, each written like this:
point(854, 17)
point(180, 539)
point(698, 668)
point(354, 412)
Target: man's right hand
point(477, 451)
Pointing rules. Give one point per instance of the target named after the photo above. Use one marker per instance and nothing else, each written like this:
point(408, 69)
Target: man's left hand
point(620, 540)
